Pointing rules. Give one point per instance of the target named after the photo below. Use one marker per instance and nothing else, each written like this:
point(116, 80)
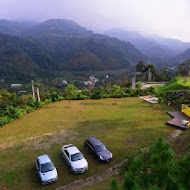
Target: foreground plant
point(155, 168)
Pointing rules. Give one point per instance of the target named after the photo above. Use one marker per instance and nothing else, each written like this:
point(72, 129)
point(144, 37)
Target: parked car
point(46, 169)
point(98, 149)
point(74, 158)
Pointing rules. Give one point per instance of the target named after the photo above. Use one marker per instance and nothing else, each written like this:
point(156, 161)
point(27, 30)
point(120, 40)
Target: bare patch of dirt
point(79, 184)
point(49, 139)
point(174, 135)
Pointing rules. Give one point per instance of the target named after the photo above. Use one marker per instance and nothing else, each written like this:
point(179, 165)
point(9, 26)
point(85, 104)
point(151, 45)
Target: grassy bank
point(176, 84)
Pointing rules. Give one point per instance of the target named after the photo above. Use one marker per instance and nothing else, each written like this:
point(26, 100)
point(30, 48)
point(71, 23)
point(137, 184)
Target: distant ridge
point(152, 45)
point(62, 45)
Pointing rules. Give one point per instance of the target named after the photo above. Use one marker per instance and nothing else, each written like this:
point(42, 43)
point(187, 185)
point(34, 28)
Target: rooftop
point(44, 159)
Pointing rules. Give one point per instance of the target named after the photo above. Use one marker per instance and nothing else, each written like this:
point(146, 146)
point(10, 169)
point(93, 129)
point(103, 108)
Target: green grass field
point(123, 127)
point(176, 84)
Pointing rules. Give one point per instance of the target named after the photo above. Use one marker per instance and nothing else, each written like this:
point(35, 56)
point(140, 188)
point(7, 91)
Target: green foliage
point(116, 92)
point(97, 94)
point(7, 99)
point(184, 68)
point(22, 59)
point(4, 120)
point(140, 67)
point(80, 96)
point(56, 97)
point(176, 84)
point(114, 185)
point(160, 100)
point(70, 92)
point(156, 168)
point(14, 112)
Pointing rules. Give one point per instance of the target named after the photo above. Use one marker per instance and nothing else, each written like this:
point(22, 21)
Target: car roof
point(44, 159)
point(72, 150)
point(94, 141)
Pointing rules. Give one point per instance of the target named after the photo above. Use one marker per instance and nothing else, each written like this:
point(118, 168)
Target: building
point(16, 85)
point(94, 80)
point(88, 83)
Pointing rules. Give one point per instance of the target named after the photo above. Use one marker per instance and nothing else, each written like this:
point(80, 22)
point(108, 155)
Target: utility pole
point(38, 94)
point(134, 82)
point(33, 93)
point(149, 75)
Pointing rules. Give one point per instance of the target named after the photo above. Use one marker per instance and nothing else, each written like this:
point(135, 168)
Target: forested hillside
point(62, 45)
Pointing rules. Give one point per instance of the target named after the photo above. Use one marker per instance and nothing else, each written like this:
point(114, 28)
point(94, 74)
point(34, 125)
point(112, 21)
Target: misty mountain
point(152, 46)
point(176, 45)
point(57, 26)
point(15, 28)
point(64, 47)
point(184, 55)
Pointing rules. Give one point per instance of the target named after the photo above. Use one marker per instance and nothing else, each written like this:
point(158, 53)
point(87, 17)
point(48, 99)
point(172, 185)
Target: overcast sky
point(167, 18)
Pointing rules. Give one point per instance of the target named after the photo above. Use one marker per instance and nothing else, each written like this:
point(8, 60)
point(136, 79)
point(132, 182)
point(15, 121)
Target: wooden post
point(38, 94)
point(149, 75)
point(33, 92)
point(134, 82)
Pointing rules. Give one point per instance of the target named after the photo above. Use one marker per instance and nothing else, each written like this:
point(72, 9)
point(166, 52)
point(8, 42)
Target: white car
point(46, 169)
point(74, 158)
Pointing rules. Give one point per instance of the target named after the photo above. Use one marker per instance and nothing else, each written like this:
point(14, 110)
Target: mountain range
point(30, 49)
point(60, 45)
point(151, 45)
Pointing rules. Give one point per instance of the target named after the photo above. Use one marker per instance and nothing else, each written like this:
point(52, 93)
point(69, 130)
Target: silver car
point(46, 169)
point(74, 158)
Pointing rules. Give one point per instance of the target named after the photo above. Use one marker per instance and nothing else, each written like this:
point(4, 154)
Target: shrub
point(14, 112)
point(96, 95)
point(80, 96)
point(155, 168)
point(4, 120)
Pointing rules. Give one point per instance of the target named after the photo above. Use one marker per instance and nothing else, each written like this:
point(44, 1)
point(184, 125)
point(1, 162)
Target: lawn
point(123, 127)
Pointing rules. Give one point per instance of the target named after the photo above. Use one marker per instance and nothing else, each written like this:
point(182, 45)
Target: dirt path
point(79, 184)
point(175, 134)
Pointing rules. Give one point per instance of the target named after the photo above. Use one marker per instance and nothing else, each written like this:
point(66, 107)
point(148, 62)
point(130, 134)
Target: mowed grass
point(123, 127)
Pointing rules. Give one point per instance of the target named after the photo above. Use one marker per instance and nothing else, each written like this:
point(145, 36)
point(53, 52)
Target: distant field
point(177, 84)
point(122, 127)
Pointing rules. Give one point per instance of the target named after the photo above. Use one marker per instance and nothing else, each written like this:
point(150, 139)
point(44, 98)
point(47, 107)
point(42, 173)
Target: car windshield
point(49, 166)
point(77, 156)
point(100, 148)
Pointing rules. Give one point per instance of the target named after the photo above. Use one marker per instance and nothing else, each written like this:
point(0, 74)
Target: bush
point(14, 112)
point(4, 120)
point(48, 101)
point(29, 109)
point(80, 96)
point(155, 168)
point(96, 95)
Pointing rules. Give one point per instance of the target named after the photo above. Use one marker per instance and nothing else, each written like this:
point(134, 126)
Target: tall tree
point(70, 92)
point(140, 67)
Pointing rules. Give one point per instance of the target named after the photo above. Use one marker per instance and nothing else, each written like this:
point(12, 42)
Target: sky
point(166, 18)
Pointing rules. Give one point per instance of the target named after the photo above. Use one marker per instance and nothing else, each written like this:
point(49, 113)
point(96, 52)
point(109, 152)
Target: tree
point(184, 68)
point(140, 67)
point(7, 99)
point(116, 92)
point(70, 92)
